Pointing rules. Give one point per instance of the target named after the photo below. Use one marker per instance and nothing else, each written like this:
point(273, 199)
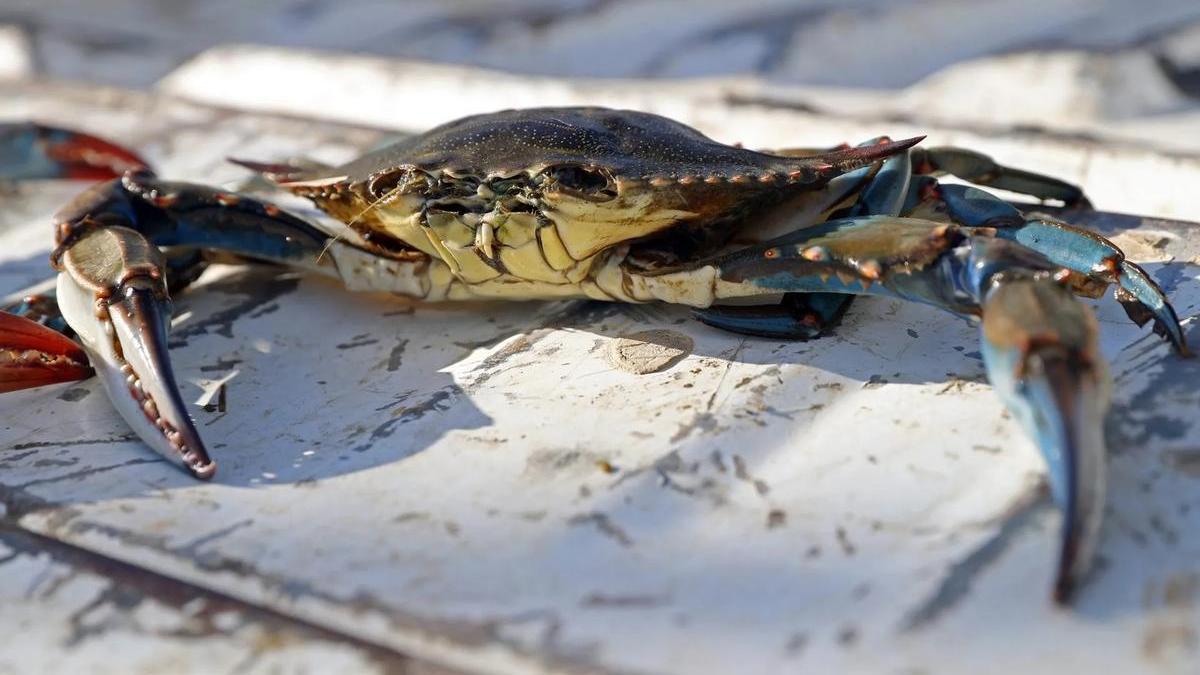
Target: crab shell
point(525, 203)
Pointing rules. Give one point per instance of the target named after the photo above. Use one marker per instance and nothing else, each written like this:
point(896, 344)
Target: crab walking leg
point(798, 316)
point(888, 190)
point(804, 316)
point(32, 355)
point(1040, 342)
point(1076, 249)
point(29, 151)
point(175, 214)
point(978, 168)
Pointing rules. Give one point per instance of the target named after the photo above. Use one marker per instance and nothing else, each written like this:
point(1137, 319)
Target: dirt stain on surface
point(1171, 635)
point(740, 471)
point(74, 394)
point(1184, 460)
point(607, 527)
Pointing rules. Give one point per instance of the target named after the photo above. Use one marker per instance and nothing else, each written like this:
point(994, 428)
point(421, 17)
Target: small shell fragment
point(649, 351)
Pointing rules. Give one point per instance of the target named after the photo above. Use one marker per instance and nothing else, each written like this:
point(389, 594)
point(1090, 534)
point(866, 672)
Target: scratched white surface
point(154, 624)
point(476, 485)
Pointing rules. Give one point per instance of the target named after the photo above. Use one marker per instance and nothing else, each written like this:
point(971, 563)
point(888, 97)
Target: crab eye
point(384, 183)
point(589, 183)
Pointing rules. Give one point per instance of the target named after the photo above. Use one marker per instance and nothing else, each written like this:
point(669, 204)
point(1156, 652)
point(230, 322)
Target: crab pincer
point(32, 355)
point(1039, 343)
point(1040, 348)
point(29, 150)
point(112, 292)
point(113, 287)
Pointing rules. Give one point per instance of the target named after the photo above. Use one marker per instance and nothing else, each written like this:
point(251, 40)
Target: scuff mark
point(357, 341)
point(74, 394)
point(10, 459)
point(740, 471)
point(704, 422)
point(718, 461)
point(796, 643)
point(490, 366)
point(220, 366)
point(396, 356)
point(90, 471)
point(440, 401)
point(210, 614)
point(875, 382)
point(409, 516)
point(82, 441)
point(776, 518)
point(1184, 460)
point(605, 525)
point(486, 631)
point(193, 546)
point(606, 601)
point(542, 463)
point(55, 462)
point(843, 540)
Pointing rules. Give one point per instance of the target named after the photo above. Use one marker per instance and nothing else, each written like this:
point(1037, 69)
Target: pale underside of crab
point(607, 205)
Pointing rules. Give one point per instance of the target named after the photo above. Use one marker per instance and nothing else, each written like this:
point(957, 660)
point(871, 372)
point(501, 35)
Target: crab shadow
point(311, 387)
point(293, 380)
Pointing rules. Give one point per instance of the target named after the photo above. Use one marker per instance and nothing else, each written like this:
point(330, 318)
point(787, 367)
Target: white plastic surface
point(479, 486)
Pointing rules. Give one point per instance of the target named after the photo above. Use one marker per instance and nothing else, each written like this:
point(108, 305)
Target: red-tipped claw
point(29, 150)
point(32, 355)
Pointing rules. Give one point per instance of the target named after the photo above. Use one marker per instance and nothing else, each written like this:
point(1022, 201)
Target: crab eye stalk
point(584, 182)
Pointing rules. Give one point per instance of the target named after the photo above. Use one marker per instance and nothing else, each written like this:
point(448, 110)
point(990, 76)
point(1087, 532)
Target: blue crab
point(627, 207)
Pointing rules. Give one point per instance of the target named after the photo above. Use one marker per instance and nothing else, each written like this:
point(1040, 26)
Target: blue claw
point(1040, 349)
point(1040, 344)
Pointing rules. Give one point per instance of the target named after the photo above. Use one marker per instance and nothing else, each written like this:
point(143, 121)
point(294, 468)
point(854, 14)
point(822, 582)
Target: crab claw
point(32, 355)
point(29, 150)
point(1040, 344)
point(111, 291)
point(1040, 349)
